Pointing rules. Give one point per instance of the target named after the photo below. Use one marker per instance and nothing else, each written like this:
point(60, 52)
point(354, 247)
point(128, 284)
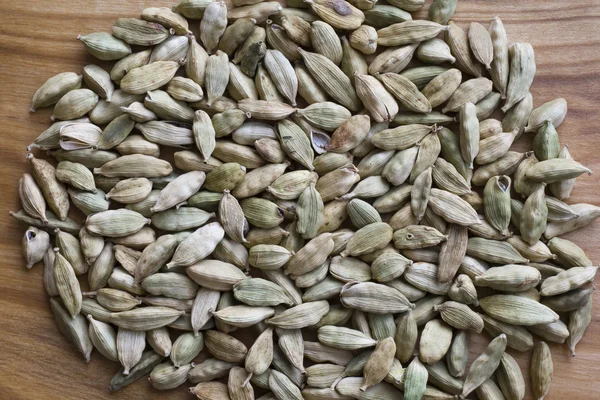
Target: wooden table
point(37, 40)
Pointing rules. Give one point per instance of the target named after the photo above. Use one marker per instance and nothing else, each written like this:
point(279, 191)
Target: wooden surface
point(37, 40)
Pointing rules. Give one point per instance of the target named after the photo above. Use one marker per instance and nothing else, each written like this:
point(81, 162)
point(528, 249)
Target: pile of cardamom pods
point(322, 194)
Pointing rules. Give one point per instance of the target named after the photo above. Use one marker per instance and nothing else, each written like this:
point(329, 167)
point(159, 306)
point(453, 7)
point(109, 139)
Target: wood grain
point(37, 40)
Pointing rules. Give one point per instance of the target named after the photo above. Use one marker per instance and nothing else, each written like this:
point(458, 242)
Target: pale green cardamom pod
point(35, 245)
point(586, 213)
point(440, 377)
point(562, 190)
point(67, 284)
point(522, 72)
point(228, 121)
point(295, 143)
point(181, 219)
point(429, 150)
point(349, 269)
point(510, 377)
point(130, 346)
point(423, 276)
point(555, 170)
point(435, 341)
point(469, 133)
point(389, 266)
point(446, 177)
point(481, 44)
point(213, 274)
point(452, 208)
point(135, 166)
point(338, 315)
point(53, 191)
point(409, 32)
point(494, 147)
point(542, 369)
point(452, 252)
point(166, 376)
point(496, 202)
point(565, 281)
point(460, 316)
point(171, 285)
point(344, 338)
point(210, 369)
point(485, 365)
point(260, 292)
point(545, 143)
point(517, 336)
point(243, 316)
point(282, 386)
point(323, 375)
point(268, 256)
point(331, 79)
point(160, 341)
point(300, 316)
point(130, 191)
point(382, 326)
point(539, 252)
point(149, 77)
point(494, 251)
point(104, 338)
point(517, 310)
point(74, 328)
point(216, 77)
point(146, 318)
point(258, 359)
point(415, 381)
point(262, 213)
point(374, 297)
point(379, 102)
point(458, 355)
point(568, 253)
point(105, 46)
point(362, 213)
point(579, 320)
point(417, 236)
point(116, 300)
point(534, 215)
